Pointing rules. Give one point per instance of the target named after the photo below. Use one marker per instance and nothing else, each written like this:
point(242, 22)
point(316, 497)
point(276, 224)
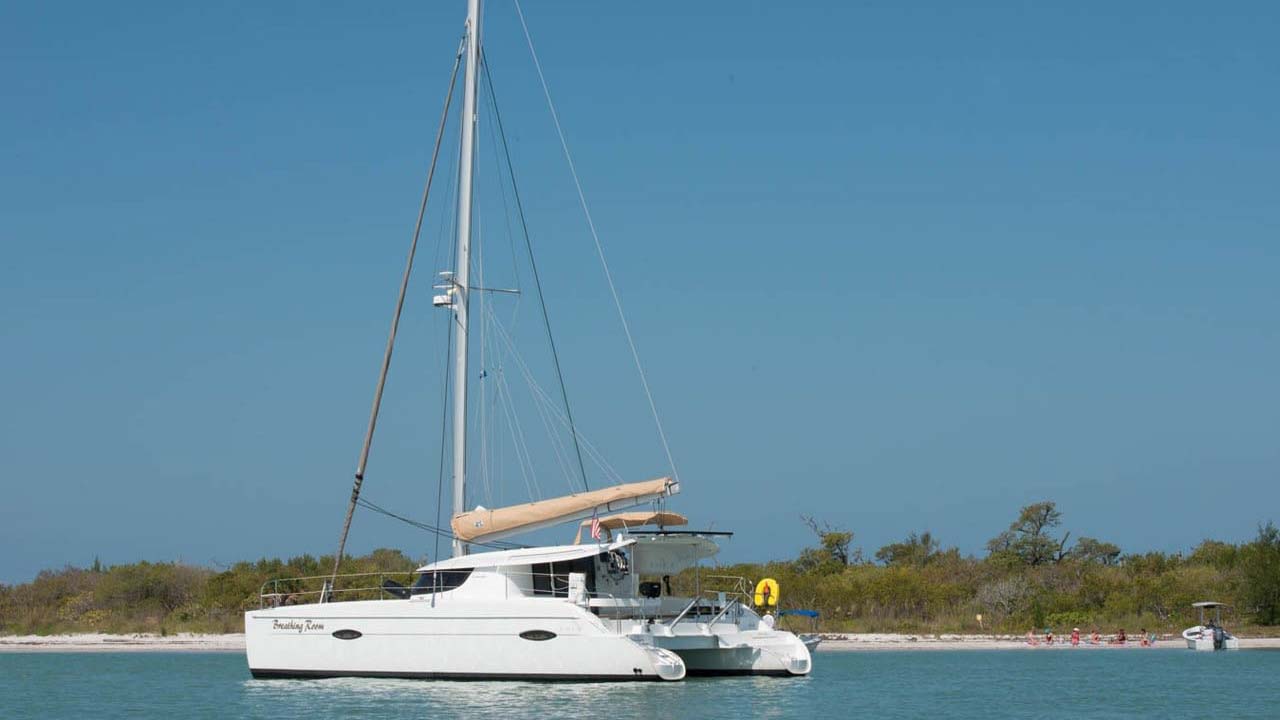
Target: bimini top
point(525, 556)
point(633, 519)
point(1208, 604)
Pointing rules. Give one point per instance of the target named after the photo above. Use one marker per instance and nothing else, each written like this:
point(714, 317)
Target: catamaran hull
point(712, 663)
point(391, 638)
point(727, 649)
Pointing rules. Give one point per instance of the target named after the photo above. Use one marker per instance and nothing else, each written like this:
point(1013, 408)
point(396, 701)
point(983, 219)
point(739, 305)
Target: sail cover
point(634, 519)
point(484, 524)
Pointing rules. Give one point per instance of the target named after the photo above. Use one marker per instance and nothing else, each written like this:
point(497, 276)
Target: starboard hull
point(779, 654)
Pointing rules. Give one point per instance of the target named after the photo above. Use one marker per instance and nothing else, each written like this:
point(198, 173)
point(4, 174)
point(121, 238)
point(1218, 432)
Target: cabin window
point(552, 579)
point(440, 581)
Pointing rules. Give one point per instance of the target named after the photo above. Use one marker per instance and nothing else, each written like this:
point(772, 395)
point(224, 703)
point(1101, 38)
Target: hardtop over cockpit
point(626, 567)
point(525, 556)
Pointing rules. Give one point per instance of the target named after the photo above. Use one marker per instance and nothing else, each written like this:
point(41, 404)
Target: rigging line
point(395, 320)
point(506, 206)
point(516, 441)
point(445, 230)
point(517, 449)
point(370, 505)
point(444, 398)
point(484, 303)
point(545, 399)
point(477, 258)
point(594, 455)
point(444, 433)
point(499, 455)
point(543, 408)
point(523, 457)
point(533, 266)
point(450, 319)
point(489, 316)
point(582, 198)
point(552, 435)
point(448, 219)
point(565, 464)
point(517, 431)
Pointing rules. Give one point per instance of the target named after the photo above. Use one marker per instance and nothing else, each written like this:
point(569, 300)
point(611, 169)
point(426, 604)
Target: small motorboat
point(1210, 635)
point(810, 639)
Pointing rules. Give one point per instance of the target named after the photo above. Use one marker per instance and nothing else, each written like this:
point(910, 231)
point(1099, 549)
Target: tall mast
point(460, 284)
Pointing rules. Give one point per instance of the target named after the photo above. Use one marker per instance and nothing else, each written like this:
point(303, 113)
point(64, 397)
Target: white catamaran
point(598, 609)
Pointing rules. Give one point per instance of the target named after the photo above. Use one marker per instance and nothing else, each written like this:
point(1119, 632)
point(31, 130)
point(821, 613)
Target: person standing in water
point(1075, 637)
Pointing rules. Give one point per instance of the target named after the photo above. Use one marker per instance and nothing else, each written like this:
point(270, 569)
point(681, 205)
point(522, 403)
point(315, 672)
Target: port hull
point(525, 640)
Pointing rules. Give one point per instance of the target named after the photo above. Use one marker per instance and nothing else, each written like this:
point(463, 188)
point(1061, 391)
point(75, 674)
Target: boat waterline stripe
point(713, 673)
point(266, 674)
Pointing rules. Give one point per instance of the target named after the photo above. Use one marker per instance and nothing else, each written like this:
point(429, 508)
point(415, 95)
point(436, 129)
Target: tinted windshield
point(440, 581)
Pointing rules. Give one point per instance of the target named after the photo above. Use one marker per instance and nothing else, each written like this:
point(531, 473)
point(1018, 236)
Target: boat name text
point(296, 625)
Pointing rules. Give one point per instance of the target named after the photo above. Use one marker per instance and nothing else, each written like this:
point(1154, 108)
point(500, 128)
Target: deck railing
point(304, 590)
point(313, 589)
point(719, 602)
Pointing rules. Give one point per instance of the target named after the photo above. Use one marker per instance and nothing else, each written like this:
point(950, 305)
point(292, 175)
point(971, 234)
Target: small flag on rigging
point(595, 527)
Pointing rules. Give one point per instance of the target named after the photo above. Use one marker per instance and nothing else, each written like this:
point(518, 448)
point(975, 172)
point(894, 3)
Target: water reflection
point(760, 697)
point(968, 685)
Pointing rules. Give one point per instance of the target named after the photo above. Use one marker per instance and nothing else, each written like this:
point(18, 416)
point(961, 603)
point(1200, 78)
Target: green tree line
point(1032, 575)
point(175, 597)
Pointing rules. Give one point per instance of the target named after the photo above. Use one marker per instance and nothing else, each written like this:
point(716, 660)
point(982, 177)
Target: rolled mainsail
point(483, 524)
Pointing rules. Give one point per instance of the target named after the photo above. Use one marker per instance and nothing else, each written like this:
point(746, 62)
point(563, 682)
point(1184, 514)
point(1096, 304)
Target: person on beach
point(1032, 640)
point(1075, 637)
point(1120, 638)
point(1143, 639)
point(1048, 636)
point(1095, 638)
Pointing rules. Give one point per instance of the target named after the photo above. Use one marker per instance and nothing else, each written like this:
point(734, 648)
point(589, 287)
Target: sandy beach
point(831, 642)
point(892, 641)
point(102, 642)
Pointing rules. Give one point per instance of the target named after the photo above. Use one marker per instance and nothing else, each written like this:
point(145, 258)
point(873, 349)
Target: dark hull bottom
point(272, 674)
point(691, 672)
point(267, 674)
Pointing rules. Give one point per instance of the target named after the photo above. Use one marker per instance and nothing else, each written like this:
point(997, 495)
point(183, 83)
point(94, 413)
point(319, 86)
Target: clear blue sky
point(899, 266)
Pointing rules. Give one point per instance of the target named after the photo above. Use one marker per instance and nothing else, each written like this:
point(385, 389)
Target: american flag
point(595, 527)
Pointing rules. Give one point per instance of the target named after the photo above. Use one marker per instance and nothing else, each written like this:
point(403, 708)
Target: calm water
point(955, 684)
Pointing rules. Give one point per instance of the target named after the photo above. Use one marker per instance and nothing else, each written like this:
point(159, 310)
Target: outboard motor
point(1219, 637)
